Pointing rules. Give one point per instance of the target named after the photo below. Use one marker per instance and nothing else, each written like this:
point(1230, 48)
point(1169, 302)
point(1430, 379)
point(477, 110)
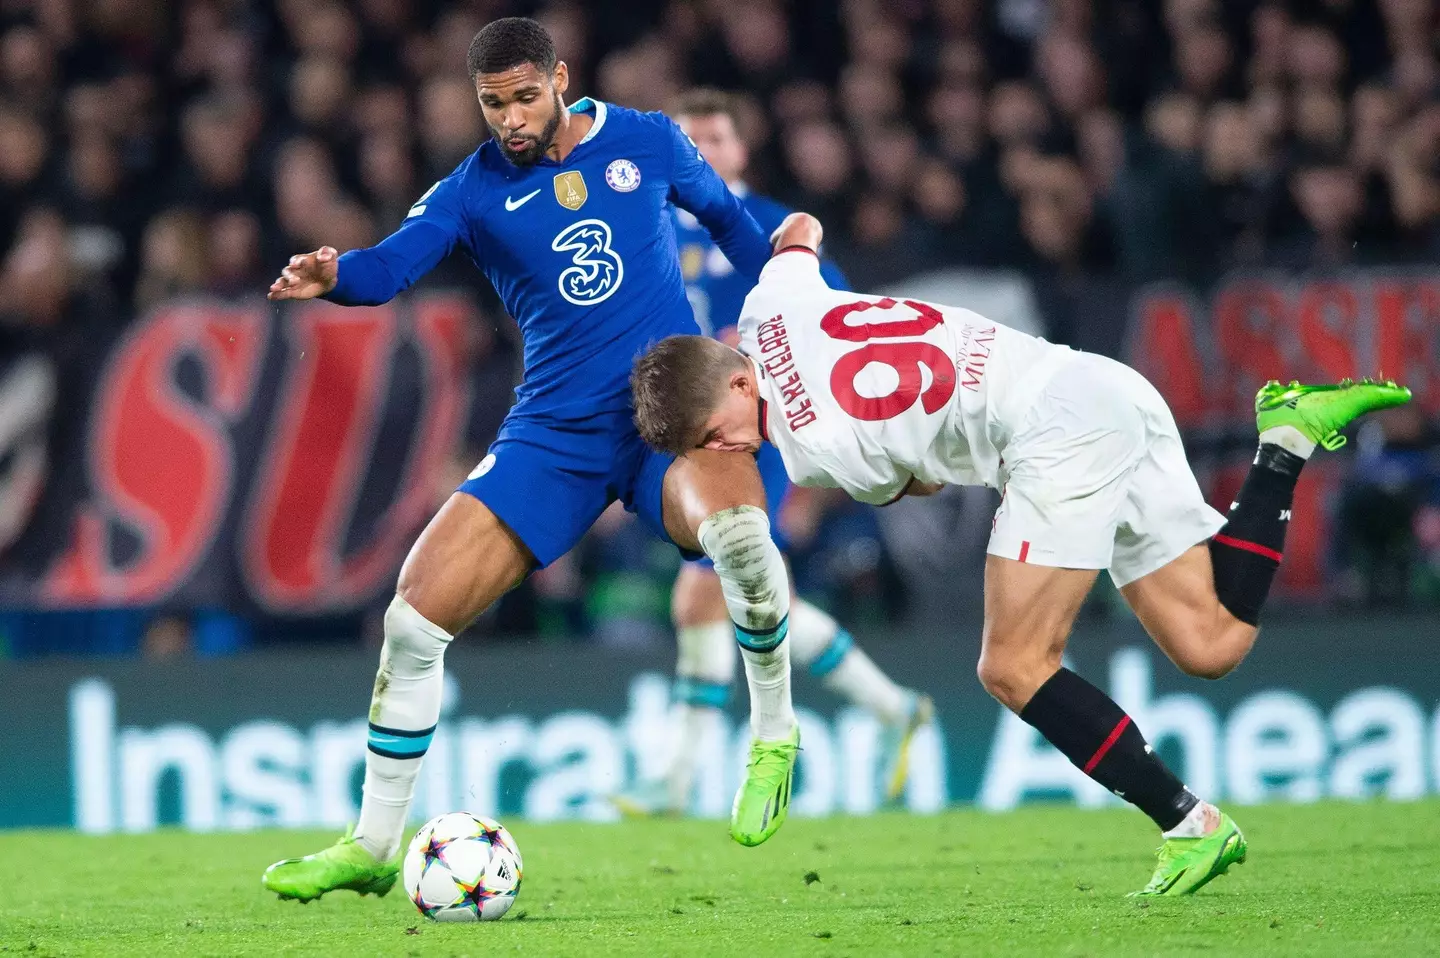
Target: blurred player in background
point(705, 666)
point(885, 398)
point(565, 210)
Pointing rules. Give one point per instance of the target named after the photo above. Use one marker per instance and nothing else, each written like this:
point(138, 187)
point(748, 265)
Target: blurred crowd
point(159, 148)
point(173, 146)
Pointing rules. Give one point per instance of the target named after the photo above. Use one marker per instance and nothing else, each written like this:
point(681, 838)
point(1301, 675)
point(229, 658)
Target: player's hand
point(798, 229)
point(918, 488)
point(308, 275)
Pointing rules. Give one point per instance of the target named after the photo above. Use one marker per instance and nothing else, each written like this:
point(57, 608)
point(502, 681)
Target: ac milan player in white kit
point(884, 398)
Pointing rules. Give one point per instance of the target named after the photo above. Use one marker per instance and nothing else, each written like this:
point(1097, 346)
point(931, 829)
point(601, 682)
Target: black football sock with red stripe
point(1246, 551)
point(1098, 737)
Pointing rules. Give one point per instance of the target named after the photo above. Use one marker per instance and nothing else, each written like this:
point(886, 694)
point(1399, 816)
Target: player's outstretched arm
point(369, 277)
point(799, 229)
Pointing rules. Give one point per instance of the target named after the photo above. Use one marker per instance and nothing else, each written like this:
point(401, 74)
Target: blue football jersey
point(717, 290)
point(582, 252)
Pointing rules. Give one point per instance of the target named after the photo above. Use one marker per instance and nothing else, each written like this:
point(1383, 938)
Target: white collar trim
point(586, 103)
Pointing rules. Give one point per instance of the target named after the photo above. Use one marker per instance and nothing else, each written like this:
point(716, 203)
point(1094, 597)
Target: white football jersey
point(863, 393)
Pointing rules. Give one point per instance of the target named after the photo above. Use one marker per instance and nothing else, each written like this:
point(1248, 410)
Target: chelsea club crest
point(622, 175)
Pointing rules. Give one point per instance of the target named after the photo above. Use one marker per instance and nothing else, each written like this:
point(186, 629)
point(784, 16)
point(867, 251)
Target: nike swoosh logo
point(513, 205)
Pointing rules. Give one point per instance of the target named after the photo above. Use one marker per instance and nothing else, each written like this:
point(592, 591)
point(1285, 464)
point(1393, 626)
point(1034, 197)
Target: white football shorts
point(1095, 477)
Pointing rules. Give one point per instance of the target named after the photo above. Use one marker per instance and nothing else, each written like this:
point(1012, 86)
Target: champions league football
point(463, 867)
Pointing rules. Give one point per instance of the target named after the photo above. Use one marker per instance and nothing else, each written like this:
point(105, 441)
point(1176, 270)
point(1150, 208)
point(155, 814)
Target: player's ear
point(561, 78)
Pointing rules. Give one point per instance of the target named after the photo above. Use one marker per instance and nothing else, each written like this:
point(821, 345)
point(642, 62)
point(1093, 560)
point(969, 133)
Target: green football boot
point(763, 801)
point(1187, 864)
point(344, 865)
point(1320, 412)
point(895, 747)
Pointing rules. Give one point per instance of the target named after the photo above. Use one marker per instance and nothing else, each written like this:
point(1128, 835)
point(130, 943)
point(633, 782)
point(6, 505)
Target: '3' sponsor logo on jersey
point(596, 270)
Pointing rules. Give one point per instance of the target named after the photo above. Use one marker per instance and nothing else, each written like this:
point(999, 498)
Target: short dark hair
point(707, 101)
point(509, 42)
point(676, 386)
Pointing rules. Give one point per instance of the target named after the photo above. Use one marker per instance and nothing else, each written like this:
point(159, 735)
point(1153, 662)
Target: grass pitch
point(1326, 879)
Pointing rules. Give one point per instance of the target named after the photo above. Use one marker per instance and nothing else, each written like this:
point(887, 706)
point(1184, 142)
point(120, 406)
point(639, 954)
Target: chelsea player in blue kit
point(566, 211)
point(705, 664)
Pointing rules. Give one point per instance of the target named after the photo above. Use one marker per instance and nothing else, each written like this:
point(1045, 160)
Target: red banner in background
point(1208, 356)
point(287, 455)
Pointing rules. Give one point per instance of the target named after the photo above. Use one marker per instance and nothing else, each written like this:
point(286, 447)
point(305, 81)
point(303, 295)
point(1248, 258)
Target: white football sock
point(704, 671)
point(1288, 438)
point(757, 593)
point(1200, 821)
point(404, 710)
point(829, 652)
point(772, 716)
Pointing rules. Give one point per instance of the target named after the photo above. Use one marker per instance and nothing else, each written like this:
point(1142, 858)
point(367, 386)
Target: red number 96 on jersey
point(905, 358)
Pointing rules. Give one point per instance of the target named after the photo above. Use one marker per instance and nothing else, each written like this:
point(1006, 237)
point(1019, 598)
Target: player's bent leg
point(829, 652)
point(713, 503)
point(1203, 608)
point(465, 560)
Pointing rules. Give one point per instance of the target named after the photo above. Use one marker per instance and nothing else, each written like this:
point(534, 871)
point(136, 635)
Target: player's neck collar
point(586, 104)
point(761, 405)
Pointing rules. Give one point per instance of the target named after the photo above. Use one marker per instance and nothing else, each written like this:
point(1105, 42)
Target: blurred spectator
point(450, 125)
point(1072, 74)
point(24, 149)
point(819, 158)
point(28, 68)
point(172, 258)
point(1331, 201)
point(27, 403)
point(1242, 184)
point(35, 276)
point(1017, 114)
point(215, 172)
point(233, 244)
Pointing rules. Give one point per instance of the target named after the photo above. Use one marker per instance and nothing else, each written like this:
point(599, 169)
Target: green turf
point(1327, 879)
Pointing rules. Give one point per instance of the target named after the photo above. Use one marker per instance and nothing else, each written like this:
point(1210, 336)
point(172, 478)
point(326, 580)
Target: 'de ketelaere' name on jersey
point(779, 364)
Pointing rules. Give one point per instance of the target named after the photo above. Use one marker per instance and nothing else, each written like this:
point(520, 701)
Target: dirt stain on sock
point(382, 685)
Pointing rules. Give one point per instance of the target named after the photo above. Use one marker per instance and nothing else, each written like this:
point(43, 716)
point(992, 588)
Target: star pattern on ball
point(426, 909)
point(434, 851)
point(474, 896)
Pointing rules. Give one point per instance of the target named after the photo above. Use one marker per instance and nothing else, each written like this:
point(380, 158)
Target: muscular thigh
point(1029, 611)
point(464, 561)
